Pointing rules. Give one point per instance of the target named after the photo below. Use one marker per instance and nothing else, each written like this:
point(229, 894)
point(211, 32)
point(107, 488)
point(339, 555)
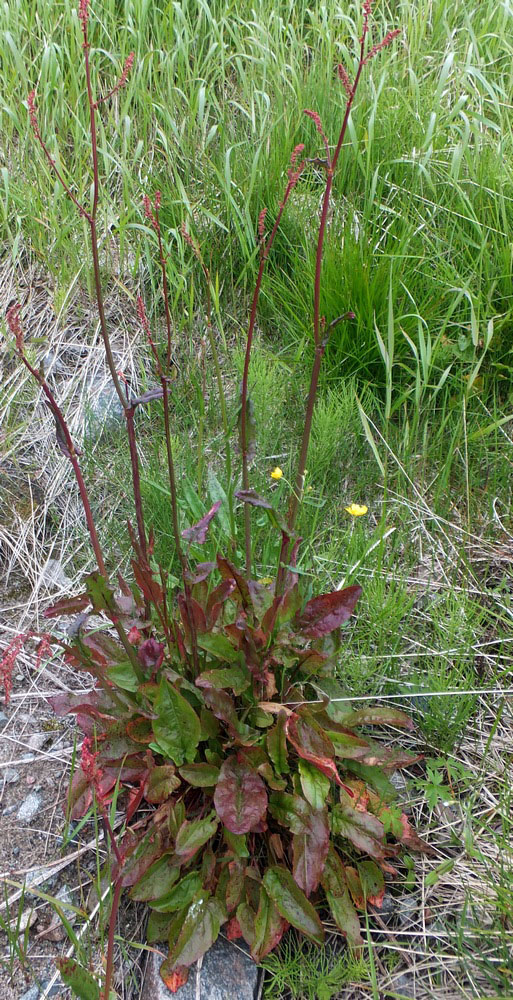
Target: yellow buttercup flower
point(356, 509)
point(276, 473)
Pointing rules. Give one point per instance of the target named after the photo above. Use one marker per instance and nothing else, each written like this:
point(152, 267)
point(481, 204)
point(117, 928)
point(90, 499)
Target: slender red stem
point(110, 941)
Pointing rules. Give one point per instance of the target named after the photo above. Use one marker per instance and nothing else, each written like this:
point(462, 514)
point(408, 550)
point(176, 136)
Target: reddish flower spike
point(261, 223)
point(8, 662)
point(12, 317)
point(83, 13)
point(381, 45)
point(344, 79)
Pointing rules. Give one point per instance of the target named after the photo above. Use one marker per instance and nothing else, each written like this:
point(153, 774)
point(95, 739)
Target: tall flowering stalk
point(90, 215)
point(321, 334)
point(295, 170)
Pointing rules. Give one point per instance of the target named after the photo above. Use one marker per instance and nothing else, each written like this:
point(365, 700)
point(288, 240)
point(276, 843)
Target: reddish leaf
point(222, 706)
point(198, 615)
point(200, 572)
point(68, 606)
point(174, 980)
point(240, 797)
point(157, 881)
point(229, 572)
point(312, 744)
point(411, 839)
point(327, 612)
point(337, 894)
point(310, 848)
point(197, 534)
point(232, 929)
point(379, 717)
point(363, 829)
point(162, 782)
point(151, 654)
point(139, 853)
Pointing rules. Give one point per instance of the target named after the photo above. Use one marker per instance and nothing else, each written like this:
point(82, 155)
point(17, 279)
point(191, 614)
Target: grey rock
point(27, 758)
point(9, 810)
point(15, 852)
point(227, 973)
point(4, 719)
point(38, 740)
point(105, 412)
point(11, 776)
point(54, 991)
point(404, 987)
point(31, 994)
point(54, 575)
point(29, 808)
point(407, 910)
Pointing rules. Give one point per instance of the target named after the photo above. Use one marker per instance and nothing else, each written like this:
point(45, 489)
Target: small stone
point(405, 986)
point(15, 852)
point(27, 758)
point(54, 576)
point(11, 777)
point(4, 719)
point(407, 910)
point(55, 991)
point(19, 677)
point(9, 810)
point(31, 994)
point(227, 973)
point(29, 808)
point(37, 740)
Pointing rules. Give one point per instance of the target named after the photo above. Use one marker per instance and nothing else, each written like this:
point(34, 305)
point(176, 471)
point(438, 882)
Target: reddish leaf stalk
point(109, 970)
point(294, 174)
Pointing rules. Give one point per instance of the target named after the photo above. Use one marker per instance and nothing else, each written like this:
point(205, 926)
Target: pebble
point(37, 740)
point(11, 777)
point(29, 808)
point(31, 994)
point(9, 810)
point(3, 720)
point(15, 852)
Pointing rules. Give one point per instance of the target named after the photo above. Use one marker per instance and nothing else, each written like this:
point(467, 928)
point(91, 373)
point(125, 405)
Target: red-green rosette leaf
point(197, 533)
point(219, 647)
point(327, 612)
point(292, 903)
point(68, 606)
point(174, 980)
point(378, 716)
point(240, 797)
point(269, 927)
point(314, 784)
point(162, 782)
point(176, 727)
point(193, 834)
point(312, 744)
point(83, 984)
point(339, 900)
point(309, 849)
point(363, 829)
point(200, 929)
point(373, 883)
point(139, 853)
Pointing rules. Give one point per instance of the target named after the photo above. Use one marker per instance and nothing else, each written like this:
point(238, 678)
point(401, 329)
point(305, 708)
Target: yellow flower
point(276, 473)
point(266, 580)
point(356, 509)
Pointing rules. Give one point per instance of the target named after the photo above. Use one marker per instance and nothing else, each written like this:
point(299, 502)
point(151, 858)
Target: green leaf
point(292, 903)
point(237, 842)
point(314, 783)
point(199, 930)
point(81, 981)
point(180, 896)
point(373, 883)
point(177, 728)
point(234, 678)
point(99, 593)
point(158, 927)
point(193, 834)
point(219, 647)
point(269, 927)
point(277, 745)
point(156, 881)
point(374, 777)
point(200, 775)
point(123, 676)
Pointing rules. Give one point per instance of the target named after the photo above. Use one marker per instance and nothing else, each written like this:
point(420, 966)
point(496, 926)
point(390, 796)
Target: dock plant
point(253, 797)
